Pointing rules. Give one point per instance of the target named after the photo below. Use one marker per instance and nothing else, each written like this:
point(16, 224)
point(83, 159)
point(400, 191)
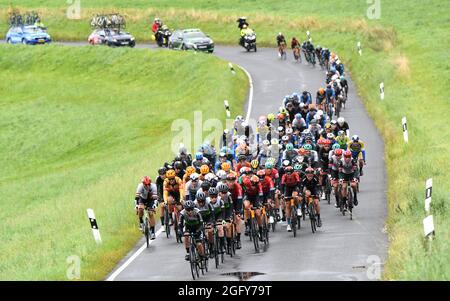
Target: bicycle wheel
point(216, 249)
point(328, 189)
point(192, 259)
point(254, 234)
point(312, 217)
point(294, 220)
point(350, 202)
point(265, 231)
point(166, 222)
point(147, 231)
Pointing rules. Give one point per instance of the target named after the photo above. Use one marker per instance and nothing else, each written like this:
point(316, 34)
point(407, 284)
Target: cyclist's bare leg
point(200, 249)
point(209, 233)
point(258, 216)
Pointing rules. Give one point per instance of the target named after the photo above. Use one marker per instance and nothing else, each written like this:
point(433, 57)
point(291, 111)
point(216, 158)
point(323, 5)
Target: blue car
point(30, 35)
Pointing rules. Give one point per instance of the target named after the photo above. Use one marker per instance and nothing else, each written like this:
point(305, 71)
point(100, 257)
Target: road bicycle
point(312, 214)
point(297, 55)
point(196, 263)
point(282, 51)
point(166, 220)
point(254, 229)
point(265, 225)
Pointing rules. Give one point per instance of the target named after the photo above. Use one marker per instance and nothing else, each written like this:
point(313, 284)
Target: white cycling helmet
point(289, 131)
point(330, 136)
point(194, 176)
point(274, 141)
point(222, 174)
point(355, 138)
point(266, 142)
point(340, 120)
point(210, 176)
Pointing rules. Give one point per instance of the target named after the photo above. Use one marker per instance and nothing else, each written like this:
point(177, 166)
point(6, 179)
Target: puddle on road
point(243, 276)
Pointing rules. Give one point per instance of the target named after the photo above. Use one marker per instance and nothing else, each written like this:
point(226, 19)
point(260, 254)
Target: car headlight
point(114, 40)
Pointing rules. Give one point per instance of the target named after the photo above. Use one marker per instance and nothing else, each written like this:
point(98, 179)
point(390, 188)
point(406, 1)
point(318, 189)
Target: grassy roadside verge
point(79, 127)
point(406, 49)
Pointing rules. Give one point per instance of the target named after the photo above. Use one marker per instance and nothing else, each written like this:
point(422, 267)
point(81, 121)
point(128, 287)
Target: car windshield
point(32, 30)
point(194, 35)
point(116, 32)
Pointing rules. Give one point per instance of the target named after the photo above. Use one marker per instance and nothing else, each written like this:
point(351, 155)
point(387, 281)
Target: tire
point(9, 41)
point(132, 44)
point(312, 217)
point(294, 221)
point(147, 232)
point(192, 259)
point(183, 47)
point(216, 250)
point(350, 202)
point(254, 235)
point(166, 222)
point(24, 42)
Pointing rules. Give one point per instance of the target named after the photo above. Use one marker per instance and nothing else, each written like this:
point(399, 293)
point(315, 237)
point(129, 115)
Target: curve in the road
point(342, 249)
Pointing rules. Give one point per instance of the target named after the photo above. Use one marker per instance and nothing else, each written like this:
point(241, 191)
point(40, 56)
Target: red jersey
point(236, 190)
point(238, 166)
point(290, 180)
point(155, 27)
point(267, 184)
point(273, 174)
point(252, 190)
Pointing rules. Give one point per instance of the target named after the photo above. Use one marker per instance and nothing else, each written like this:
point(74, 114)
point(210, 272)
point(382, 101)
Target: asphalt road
point(342, 249)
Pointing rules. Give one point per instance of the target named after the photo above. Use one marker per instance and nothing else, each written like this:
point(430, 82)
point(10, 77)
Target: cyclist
point(289, 187)
point(199, 161)
point(192, 186)
point(146, 199)
point(218, 206)
point(227, 210)
point(192, 221)
point(204, 170)
point(222, 159)
point(242, 162)
point(179, 171)
point(189, 171)
point(343, 125)
point(253, 195)
point(207, 212)
point(310, 188)
point(236, 194)
point(295, 46)
point(281, 41)
point(306, 98)
point(356, 147)
point(333, 164)
point(342, 139)
point(348, 172)
point(324, 162)
point(173, 193)
point(184, 156)
point(160, 188)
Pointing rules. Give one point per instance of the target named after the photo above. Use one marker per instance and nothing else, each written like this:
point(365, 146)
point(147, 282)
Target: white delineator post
point(231, 68)
point(227, 108)
point(359, 48)
point(405, 129)
point(428, 227)
point(382, 90)
point(94, 226)
point(428, 191)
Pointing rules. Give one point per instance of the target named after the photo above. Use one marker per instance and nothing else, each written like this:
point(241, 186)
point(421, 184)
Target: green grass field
point(407, 49)
point(79, 128)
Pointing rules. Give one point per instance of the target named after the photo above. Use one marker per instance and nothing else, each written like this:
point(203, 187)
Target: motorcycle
point(249, 42)
point(162, 37)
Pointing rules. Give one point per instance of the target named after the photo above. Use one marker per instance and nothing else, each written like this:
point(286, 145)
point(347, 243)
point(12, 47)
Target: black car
point(112, 37)
point(191, 39)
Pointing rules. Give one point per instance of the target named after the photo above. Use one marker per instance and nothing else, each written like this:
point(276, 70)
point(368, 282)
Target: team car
point(29, 35)
point(111, 37)
point(191, 39)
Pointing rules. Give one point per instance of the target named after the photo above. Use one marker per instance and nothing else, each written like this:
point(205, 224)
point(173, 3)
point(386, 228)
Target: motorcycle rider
point(155, 27)
point(242, 21)
point(245, 31)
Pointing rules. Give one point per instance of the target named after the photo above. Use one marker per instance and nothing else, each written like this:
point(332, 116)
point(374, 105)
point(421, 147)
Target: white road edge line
point(144, 246)
point(250, 93)
point(132, 257)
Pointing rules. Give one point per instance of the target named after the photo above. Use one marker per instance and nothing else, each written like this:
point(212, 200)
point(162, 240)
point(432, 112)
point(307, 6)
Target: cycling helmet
point(266, 142)
point(309, 171)
point(205, 185)
point(308, 147)
point(226, 166)
point(333, 122)
point(190, 170)
point(231, 177)
point(336, 146)
point(289, 131)
point(268, 165)
point(320, 141)
point(288, 169)
point(199, 156)
point(340, 121)
point(355, 138)
point(200, 196)
point(189, 205)
point(247, 170)
point(204, 169)
point(321, 91)
point(254, 180)
point(297, 167)
point(302, 151)
point(210, 177)
point(194, 177)
point(285, 138)
point(289, 146)
point(222, 188)
point(330, 136)
point(213, 191)
point(327, 142)
point(298, 116)
point(347, 154)
point(328, 126)
point(254, 164)
point(341, 133)
point(178, 165)
point(270, 116)
point(286, 163)
point(162, 171)
point(146, 180)
point(313, 121)
point(261, 173)
point(222, 174)
point(241, 157)
point(170, 174)
point(338, 152)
